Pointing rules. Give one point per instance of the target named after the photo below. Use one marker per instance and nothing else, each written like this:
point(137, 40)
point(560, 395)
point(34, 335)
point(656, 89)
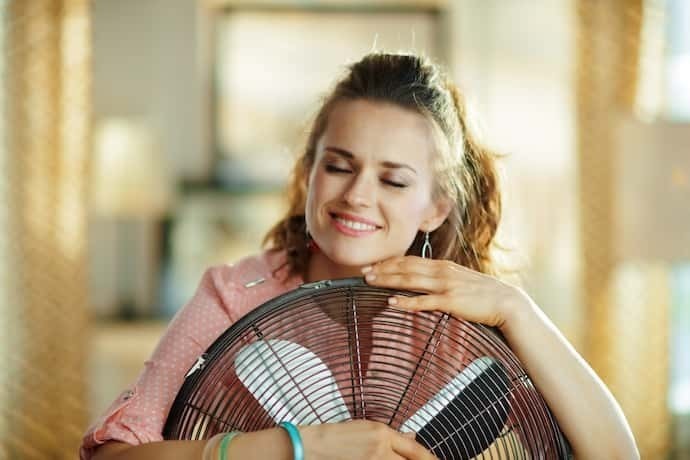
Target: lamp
point(130, 191)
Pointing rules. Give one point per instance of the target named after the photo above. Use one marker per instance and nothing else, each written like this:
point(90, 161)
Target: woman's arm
point(356, 440)
point(169, 450)
point(588, 414)
point(139, 414)
point(586, 411)
point(265, 444)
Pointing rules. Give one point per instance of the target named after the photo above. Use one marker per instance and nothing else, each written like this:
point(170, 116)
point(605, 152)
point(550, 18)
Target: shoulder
point(252, 280)
point(268, 266)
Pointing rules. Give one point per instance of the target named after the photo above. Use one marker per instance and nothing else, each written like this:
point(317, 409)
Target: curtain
point(45, 129)
point(626, 302)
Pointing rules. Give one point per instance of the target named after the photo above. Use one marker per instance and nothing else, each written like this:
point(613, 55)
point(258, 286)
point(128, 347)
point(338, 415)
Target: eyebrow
point(350, 156)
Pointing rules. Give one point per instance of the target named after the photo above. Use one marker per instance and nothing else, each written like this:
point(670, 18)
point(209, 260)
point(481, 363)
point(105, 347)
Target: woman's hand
point(449, 287)
point(360, 439)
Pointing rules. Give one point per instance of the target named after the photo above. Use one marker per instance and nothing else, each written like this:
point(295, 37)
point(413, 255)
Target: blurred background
point(144, 140)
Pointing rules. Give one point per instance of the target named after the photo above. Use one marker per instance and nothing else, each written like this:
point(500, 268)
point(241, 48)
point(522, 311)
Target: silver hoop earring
point(427, 252)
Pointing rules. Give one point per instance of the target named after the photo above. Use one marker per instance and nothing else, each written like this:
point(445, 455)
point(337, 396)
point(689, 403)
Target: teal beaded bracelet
point(295, 439)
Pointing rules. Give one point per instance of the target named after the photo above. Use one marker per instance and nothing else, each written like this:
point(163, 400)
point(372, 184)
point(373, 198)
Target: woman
point(390, 171)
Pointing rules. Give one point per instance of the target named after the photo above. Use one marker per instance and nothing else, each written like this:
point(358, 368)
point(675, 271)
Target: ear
point(438, 212)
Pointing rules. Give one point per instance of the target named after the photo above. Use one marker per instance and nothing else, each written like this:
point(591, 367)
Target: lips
point(353, 225)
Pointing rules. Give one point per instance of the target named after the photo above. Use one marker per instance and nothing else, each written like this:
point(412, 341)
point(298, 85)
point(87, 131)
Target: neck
point(322, 268)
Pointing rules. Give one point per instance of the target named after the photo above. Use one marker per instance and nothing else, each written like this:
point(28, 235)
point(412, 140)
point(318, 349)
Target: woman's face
point(370, 189)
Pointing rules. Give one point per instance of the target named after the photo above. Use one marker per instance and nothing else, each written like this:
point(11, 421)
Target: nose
point(361, 192)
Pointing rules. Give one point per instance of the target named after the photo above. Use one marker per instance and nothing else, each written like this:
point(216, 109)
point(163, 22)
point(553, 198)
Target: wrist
point(313, 437)
point(210, 451)
point(273, 443)
point(516, 309)
point(295, 440)
point(218, 445)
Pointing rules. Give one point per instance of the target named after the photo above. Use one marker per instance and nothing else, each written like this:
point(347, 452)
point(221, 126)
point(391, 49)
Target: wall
point(515, 61)
point(146, 65)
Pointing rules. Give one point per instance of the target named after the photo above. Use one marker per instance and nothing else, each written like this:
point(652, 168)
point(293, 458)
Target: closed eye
point(336, 169)
point(393, 183)
point(333, 169)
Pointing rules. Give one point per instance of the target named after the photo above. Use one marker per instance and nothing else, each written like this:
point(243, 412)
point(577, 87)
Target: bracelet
point(223, 449)
point(295, 439)
point(212, 445)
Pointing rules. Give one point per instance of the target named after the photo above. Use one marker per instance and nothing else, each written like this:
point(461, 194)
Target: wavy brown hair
point(465, 169)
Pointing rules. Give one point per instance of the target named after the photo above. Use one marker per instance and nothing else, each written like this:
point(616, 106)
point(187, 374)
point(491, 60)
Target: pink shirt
point(138, 415)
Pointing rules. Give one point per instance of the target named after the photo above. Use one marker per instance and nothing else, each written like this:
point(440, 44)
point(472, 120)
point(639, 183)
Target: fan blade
point(290, 382)
point(466, 415)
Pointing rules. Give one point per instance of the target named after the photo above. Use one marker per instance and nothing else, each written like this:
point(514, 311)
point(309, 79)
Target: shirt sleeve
point(138, 415)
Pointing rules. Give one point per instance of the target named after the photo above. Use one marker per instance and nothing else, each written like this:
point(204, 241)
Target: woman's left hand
point(448, 287)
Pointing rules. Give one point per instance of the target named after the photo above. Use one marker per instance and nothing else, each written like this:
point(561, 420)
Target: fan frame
point(273, 307)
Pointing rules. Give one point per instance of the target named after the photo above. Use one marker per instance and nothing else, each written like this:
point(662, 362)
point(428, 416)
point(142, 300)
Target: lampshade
point(129, 177)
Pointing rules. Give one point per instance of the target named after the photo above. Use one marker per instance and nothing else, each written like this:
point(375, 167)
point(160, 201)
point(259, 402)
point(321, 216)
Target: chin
point(353, 258)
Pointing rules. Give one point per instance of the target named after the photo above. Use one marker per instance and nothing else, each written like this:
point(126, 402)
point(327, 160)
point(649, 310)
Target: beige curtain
point(626, 305)
point(43, 303)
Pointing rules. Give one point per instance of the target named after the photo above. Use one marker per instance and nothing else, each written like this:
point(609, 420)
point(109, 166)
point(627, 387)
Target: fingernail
point(366, 269)
point(370, 277)
point(392, 301)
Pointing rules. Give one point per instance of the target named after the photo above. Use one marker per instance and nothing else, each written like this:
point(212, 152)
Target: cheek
point(315, 189)
point(408, 209)
point(318, 192)
point(325, 187)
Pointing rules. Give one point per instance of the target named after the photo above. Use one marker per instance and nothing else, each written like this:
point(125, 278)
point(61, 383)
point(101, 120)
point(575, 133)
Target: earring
point(427, 252)
point(311, 244)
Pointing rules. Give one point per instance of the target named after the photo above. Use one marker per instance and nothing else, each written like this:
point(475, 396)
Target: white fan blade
point(290, 382)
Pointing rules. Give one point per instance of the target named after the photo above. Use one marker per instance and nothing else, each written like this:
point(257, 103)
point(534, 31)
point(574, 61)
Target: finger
point(415, 273)
point(477, 311)
point(421, 266)
point(407, 281)
point(410, 449)
point(407, 264)
point(425, 302)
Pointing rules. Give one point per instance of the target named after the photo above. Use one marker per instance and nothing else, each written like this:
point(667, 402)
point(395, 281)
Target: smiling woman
point(395, 110)
point(390, 171)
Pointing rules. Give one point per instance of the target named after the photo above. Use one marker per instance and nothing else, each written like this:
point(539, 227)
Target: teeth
point(355, 225)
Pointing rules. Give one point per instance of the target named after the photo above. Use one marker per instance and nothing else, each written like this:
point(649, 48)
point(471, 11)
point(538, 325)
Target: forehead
point(380, 131)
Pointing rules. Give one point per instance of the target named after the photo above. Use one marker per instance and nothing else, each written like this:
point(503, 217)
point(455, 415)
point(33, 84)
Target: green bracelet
point(223, 449)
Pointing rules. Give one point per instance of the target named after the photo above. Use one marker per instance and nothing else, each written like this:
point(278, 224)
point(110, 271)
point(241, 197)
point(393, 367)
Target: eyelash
point(336, 170)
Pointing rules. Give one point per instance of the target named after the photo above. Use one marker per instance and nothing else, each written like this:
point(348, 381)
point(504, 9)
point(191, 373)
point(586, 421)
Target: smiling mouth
point(353, 224)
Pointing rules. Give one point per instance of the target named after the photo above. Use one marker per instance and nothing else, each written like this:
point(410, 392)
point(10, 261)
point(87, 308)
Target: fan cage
point(343, 353)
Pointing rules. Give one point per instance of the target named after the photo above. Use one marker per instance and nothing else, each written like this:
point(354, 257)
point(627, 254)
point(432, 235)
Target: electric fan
point(334, 351)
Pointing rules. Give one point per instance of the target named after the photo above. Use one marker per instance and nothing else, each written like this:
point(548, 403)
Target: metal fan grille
point(334, 351)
